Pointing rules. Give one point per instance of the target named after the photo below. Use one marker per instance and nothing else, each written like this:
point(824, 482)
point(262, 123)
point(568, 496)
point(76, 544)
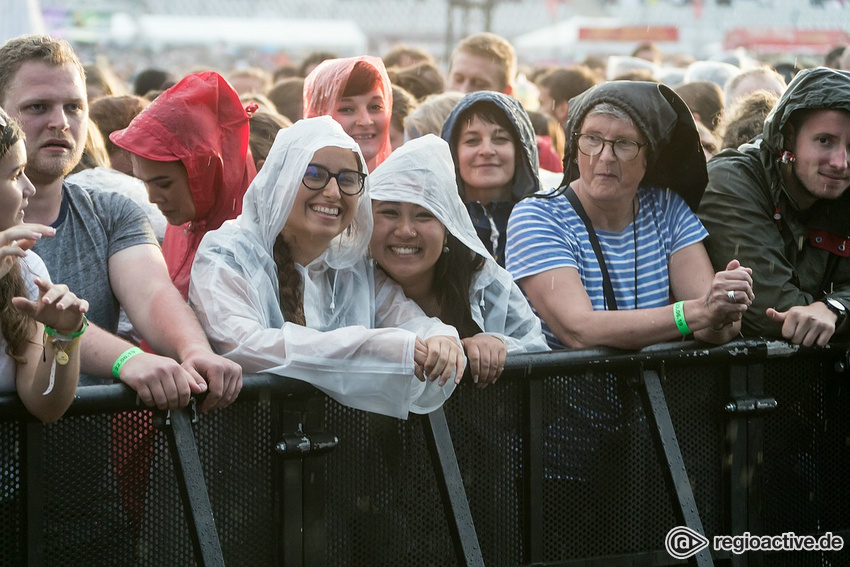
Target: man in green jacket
point(780, 205)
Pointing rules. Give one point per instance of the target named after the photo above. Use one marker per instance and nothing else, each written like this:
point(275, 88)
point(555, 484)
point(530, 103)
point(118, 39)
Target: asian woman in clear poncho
point(424, 239)
point(287, 288)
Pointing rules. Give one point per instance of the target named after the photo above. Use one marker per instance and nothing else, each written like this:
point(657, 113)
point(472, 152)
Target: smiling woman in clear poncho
point(424, 239)
point(287, 288)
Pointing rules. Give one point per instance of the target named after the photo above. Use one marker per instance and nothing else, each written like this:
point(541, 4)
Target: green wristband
point(125, 356)
point(679, 318)
point(70, 336)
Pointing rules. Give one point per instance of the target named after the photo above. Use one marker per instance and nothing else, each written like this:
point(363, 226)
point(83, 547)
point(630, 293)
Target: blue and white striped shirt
point(545, 234)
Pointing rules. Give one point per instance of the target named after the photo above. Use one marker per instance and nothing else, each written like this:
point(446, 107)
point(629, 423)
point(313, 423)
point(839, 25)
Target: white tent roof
point(559, 42)
point(343, 37)
point(20, 17)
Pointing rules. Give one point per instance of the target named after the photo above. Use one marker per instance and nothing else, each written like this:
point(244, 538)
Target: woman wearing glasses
point(614, 257)
point(287, 287)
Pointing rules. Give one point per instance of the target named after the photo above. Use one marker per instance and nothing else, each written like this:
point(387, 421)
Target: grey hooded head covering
point(675, 159)
point(526, 179)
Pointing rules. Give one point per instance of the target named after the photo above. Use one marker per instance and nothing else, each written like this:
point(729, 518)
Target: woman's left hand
point(445, 360)
point(56, 307)
point(486, 355)
point(735, 281)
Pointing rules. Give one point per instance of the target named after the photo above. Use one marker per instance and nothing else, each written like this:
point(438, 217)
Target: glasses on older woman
point(350, 182)
point(592, 145)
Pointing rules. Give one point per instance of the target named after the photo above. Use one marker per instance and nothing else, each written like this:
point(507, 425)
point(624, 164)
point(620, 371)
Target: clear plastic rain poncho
point(422, 172)
point(359, 339)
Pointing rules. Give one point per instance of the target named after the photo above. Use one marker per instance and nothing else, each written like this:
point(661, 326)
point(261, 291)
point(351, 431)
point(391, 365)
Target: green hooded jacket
point(797, 257)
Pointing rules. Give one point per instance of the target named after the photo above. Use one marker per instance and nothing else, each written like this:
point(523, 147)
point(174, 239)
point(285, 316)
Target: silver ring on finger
point(731, 295)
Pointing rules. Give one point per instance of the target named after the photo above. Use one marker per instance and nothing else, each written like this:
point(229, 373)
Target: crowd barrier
point(575, 458)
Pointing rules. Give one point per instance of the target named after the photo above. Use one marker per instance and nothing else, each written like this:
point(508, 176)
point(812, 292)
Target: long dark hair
point(453, 274)
point(15, 326)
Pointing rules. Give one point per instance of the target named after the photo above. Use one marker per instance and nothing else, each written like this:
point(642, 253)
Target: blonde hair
point(41, 48)
point(431, 114)
point(493, 47)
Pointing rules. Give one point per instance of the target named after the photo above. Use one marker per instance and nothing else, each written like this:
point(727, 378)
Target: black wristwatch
point(836, 307)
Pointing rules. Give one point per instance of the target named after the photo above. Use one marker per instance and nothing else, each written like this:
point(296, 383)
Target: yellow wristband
point(125, 356)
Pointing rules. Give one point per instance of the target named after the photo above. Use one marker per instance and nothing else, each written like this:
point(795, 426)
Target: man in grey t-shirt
point(104, 249)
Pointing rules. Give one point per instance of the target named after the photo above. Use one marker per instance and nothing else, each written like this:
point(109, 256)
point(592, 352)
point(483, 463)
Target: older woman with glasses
point(614, 257)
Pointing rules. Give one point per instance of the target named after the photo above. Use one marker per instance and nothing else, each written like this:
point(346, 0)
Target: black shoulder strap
point(607, 288)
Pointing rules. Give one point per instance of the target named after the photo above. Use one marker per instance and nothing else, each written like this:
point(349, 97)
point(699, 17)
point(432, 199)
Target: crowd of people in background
point(374, 225)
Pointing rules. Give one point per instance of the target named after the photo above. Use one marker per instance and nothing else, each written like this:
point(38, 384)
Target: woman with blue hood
point(495, 154)
point(614, 257)
point(781, 204)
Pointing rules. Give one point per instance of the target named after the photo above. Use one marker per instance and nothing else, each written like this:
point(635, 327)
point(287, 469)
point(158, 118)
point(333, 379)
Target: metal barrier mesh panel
point(696, 399)
point(485, 426)
point(806, 457)
point(110, 495)
point(11, 528)
point(236, 450)
point(382, 506)
point(111, 498)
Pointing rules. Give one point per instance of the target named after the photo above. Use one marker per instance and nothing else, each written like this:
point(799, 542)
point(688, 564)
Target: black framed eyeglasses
point(592, 145)
point(349, 182)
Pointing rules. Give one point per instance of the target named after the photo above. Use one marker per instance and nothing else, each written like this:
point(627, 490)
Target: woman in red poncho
point(190, 148)
point(356, 92)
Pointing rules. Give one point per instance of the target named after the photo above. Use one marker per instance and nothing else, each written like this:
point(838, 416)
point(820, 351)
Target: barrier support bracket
point(670, 459)
point(193, 489)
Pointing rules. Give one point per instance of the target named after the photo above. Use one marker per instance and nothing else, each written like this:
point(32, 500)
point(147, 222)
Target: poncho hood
point(325, 85)
point(676, 160)
point(422, 172)
point(269, 199)
point(199, 121)
point(526, 181)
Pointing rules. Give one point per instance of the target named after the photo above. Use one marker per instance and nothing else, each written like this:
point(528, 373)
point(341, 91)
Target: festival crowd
point(380, 229)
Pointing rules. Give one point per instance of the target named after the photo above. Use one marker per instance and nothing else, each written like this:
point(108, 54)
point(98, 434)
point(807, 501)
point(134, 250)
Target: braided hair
point(289, 282)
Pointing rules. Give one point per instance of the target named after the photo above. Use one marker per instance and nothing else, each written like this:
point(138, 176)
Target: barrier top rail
point(119, 397)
